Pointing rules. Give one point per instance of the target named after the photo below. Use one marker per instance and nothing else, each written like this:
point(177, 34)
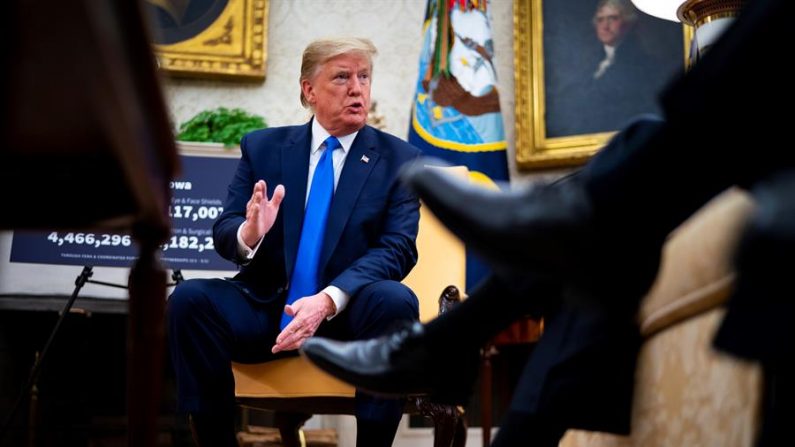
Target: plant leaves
point(220, 125)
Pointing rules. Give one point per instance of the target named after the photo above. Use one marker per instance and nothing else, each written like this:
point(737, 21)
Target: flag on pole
point(456, 112)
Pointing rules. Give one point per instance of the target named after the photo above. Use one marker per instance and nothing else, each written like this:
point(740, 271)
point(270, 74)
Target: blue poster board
point(197, 200)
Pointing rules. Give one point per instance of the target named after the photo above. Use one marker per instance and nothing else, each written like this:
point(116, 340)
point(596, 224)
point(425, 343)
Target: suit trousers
point(212, 322)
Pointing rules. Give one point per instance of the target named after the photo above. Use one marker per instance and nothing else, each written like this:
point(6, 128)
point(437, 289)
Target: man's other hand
point(307, 312)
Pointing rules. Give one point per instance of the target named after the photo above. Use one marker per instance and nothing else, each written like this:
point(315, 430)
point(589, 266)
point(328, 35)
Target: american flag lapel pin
point(365, 159)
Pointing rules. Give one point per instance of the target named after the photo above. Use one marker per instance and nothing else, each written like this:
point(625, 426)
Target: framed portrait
point(216, 39)
point(585, 68)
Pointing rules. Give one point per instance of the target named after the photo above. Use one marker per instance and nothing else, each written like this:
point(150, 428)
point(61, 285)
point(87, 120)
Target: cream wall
point(395, 26)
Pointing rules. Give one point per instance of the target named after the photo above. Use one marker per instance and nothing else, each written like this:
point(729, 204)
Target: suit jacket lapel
point(354, 175)
point(295, 169)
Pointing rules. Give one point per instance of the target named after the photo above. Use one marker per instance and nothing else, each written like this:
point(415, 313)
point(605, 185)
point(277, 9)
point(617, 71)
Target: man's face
point(610, 25)
point(340, 93)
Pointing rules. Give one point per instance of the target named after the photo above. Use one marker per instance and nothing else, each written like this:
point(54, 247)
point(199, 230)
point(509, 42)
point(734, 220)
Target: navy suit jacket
point(372, 223)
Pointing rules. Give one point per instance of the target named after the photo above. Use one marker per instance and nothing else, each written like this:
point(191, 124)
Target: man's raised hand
point(260, 212)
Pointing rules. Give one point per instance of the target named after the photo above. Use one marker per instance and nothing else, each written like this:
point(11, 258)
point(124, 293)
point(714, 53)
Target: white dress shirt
point(319, 135)
point(610, 56)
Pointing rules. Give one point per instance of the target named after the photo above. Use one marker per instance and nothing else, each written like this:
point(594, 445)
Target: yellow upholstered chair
point(294, 389)
point(687, 393)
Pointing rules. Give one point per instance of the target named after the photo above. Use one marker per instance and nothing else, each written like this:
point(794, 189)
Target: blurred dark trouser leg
point(491, 307)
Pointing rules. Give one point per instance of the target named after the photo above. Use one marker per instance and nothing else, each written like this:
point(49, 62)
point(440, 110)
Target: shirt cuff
point(245, 252)
point(339, 297)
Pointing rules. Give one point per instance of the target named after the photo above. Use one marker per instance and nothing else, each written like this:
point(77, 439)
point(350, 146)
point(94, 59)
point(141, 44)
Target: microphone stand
point(81, 280)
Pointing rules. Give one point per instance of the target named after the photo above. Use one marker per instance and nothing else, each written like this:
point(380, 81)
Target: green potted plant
point(220, 125)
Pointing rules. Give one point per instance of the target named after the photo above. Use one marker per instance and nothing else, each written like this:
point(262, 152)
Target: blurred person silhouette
point(590, 245)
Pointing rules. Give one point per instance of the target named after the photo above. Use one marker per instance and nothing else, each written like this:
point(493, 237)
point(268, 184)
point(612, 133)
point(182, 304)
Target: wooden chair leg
point(486, 392)
point(448, 421)
point(289, 425)
point(460, 436)
point(447, 427)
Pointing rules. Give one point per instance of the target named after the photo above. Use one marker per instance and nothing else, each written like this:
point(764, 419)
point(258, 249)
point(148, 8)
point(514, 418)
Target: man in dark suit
point(368, 246)
point(597, 239)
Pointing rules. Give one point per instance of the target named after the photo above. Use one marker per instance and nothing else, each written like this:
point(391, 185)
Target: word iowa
point(187, 186)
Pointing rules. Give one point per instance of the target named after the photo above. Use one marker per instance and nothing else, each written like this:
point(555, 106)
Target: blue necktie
point(305, 281)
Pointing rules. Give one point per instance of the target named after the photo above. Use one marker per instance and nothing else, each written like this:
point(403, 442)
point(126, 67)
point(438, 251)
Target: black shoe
point(548, 229)
point(542, 228)
point(397, 365)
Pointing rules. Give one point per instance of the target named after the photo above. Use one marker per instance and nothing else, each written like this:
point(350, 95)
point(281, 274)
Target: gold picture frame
point(534, 148)
point(231, 45)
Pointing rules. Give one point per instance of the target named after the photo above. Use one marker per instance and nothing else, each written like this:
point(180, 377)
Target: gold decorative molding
point(233, 46)
point(698, 12)
point(534, 150)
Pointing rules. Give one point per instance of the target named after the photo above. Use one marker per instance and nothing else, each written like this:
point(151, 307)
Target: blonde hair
point(321, 50)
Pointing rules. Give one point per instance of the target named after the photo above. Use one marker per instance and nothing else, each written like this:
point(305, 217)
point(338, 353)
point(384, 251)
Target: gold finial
point(698, 12)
